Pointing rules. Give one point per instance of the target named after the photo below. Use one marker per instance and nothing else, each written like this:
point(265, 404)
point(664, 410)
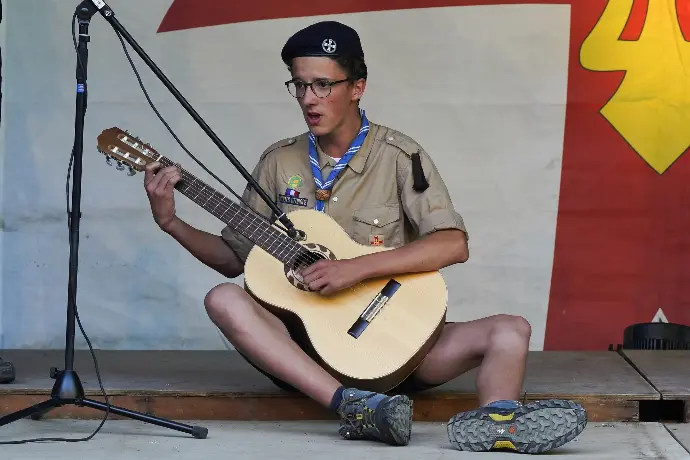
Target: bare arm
point(433, 252)
point(207, 248)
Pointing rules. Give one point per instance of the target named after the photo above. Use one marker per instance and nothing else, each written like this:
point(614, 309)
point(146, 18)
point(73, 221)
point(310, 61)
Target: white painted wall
point(482, 88)
point(3, 33)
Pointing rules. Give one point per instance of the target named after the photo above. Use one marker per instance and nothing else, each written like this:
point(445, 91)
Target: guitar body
point(375, 355)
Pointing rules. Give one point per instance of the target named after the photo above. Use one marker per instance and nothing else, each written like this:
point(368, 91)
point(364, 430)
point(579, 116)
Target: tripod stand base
point(68, 390)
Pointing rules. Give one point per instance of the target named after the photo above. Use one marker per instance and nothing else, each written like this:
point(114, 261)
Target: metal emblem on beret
point(329, 45)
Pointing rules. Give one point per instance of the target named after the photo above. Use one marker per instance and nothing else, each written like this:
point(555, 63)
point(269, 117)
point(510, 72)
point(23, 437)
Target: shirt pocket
point(378, 226)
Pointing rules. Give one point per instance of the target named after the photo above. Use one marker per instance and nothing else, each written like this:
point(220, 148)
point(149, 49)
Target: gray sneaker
point(531, 428)
point(375, 416)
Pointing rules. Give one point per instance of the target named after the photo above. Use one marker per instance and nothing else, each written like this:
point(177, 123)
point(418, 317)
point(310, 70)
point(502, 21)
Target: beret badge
point(329, 45)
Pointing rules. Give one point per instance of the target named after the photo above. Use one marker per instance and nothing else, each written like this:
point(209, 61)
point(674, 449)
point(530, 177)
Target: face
point(324, 115)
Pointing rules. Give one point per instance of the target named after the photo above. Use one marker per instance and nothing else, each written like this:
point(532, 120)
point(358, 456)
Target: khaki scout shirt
point(372, 199)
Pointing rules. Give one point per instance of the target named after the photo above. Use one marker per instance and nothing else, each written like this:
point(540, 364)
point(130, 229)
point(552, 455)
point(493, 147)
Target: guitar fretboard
point(240, 218)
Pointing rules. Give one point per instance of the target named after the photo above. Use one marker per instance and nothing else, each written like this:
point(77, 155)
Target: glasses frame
point(330, 83)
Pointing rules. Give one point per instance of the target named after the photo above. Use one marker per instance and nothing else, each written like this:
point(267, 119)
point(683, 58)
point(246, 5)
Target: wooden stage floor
point(622, 385)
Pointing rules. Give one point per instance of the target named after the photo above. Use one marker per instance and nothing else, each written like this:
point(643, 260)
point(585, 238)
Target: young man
point(382, 188)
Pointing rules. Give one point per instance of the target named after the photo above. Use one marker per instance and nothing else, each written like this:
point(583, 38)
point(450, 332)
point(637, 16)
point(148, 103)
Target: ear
point(358, 88)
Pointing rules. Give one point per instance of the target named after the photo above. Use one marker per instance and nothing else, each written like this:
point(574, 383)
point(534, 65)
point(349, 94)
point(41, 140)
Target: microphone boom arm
point(109, 16)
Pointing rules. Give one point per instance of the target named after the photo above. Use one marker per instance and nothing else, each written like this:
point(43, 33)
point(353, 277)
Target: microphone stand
point(68, 388)
point(109, 15)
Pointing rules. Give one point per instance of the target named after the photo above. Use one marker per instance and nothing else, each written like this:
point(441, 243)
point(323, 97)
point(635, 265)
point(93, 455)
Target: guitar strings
point(300, 255)
point(296, 250)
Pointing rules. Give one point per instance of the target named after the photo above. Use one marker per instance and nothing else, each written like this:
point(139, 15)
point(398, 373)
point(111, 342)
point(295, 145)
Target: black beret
point(327, 38)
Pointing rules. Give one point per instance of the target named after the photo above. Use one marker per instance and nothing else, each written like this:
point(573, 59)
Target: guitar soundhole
point(310, 254)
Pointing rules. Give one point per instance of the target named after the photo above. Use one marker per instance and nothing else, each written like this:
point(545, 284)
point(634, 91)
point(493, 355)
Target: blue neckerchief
point(316, 168)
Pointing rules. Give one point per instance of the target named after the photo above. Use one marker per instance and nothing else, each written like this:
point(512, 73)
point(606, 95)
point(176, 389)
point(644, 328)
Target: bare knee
point(226, 304)
point(510, 332)
point(236, 313)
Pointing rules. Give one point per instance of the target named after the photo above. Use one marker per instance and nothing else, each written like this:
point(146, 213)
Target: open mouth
point(313, 118)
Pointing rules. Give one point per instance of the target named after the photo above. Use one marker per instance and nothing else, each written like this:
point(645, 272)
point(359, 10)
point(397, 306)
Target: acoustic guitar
point(371, 336)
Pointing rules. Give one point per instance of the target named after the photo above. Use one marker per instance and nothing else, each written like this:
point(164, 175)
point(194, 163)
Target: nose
point(309, 97)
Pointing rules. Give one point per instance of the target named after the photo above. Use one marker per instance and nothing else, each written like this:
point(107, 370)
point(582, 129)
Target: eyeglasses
point(321, 88)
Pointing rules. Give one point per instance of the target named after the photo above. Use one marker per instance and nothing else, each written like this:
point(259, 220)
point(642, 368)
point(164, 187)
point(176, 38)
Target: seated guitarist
point(383, 189)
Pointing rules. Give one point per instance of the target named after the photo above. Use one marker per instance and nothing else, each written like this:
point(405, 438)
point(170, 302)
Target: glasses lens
point(321, 88)
point(296, 89)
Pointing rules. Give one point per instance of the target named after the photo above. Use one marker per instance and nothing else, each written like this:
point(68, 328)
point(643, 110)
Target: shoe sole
point(395, 416)
point(533, 428)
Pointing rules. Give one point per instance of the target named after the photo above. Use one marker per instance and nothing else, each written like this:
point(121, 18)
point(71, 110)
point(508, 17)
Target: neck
point(336, 143)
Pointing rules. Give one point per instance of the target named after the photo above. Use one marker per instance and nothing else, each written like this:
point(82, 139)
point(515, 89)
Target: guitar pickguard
point(316, 252)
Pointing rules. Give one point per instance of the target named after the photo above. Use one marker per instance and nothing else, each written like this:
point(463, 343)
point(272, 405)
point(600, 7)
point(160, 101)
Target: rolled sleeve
point(430, 210)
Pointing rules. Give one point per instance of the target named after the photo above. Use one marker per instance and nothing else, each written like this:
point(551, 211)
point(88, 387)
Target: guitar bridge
point(373, 309)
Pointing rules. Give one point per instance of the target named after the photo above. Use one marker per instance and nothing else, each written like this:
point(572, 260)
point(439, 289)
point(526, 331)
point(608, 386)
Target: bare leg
point(263, 338)
point(497, 344)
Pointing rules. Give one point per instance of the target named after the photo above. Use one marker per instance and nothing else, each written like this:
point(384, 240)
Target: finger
point(314, 267)
point(157, 178)
point(171, 181)
point(326, 289)
point(163, 178)
point(313, 276)
point(150, 171)
point(318, 284)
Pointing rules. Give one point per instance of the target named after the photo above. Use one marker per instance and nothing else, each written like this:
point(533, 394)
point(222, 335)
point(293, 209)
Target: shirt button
point(335, 198)
point(376, 221)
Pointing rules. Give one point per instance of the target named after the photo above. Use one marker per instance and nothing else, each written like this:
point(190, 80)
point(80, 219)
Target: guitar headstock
point(126, 149)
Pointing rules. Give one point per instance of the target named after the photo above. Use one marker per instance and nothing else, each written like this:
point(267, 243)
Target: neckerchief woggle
point(316, 168)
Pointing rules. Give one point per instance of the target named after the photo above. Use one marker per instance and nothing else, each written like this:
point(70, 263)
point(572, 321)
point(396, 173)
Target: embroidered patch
point(291, 192)
point(376, 240)
point(293, 200)
point(295, 181)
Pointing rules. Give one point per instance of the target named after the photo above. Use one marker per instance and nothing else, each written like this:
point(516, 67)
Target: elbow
point(463, 252)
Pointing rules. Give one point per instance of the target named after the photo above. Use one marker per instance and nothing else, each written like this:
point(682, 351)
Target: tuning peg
point(131, 171)
point(109, 160)
point(120, 166)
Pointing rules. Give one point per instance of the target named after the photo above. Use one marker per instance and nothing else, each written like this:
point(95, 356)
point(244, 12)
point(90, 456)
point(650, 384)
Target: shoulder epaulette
point(280, 144)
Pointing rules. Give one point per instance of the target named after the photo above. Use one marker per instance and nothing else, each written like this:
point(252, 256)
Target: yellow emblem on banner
point(651, 108)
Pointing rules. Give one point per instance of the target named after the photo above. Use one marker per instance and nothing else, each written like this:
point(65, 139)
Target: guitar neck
point(240, 218)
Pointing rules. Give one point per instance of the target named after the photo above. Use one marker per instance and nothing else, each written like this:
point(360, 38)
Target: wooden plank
point(572, 374)
point(602, 381)
point(667, 370)
point(210, 385)
point(173, 372)
point(600, 373)
point(286, 407)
